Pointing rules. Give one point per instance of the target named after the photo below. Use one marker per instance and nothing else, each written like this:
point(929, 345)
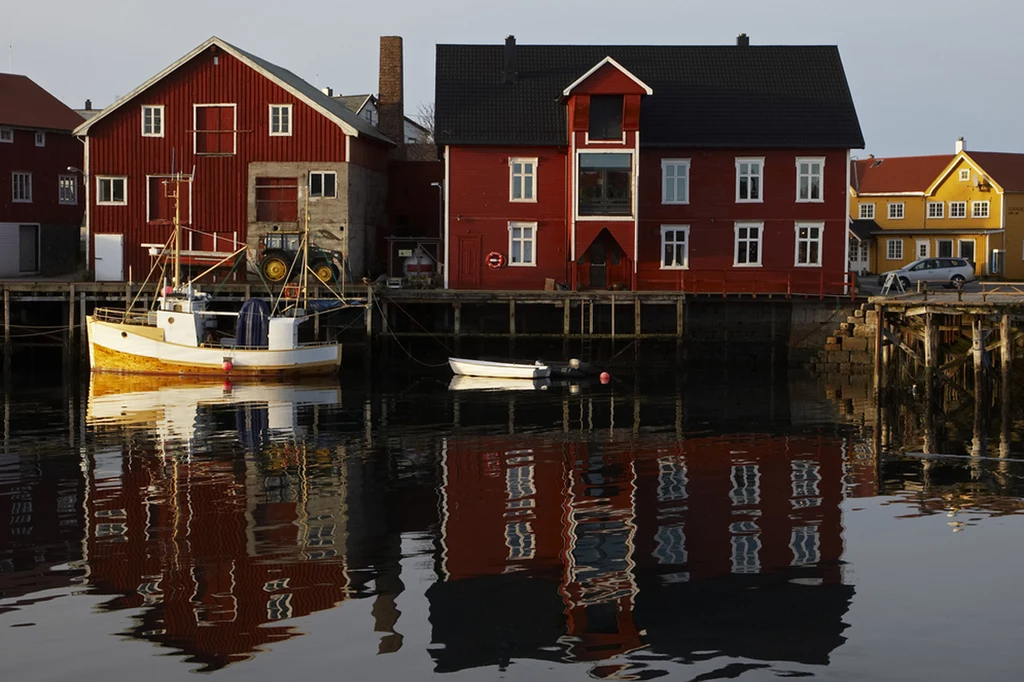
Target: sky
point(922, 73)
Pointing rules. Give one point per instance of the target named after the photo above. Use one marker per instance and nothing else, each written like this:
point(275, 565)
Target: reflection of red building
point(632, 540)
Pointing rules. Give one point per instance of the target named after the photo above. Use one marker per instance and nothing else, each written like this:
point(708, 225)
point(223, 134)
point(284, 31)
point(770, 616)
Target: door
point(967, 250)
point(28, 249)
point(598, 256)
point(469, 263)
point(858, 256)
point(923, 246)
point(944, 248)
point(109, 257)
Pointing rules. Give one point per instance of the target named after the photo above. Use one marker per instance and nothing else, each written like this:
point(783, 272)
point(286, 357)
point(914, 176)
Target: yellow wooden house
point(972, 206)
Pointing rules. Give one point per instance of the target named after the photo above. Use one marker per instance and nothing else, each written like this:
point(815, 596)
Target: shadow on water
point(672, 520)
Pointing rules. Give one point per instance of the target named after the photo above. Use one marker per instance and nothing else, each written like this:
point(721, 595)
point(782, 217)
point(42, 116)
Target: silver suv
point(953, 272)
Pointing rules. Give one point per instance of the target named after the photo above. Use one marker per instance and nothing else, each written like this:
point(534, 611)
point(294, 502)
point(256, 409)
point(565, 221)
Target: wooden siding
point(45, 164)
point(220, 191)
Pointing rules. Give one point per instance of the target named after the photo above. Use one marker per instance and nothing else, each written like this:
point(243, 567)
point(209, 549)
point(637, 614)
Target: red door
point(469, 262)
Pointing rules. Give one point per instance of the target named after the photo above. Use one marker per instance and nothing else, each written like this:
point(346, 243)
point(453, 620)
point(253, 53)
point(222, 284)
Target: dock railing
point(753, 282)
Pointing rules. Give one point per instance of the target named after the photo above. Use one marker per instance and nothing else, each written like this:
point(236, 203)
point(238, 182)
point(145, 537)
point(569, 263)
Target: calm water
point(657, 527)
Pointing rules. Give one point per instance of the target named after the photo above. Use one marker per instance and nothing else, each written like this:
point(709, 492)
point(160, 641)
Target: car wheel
point(957, 281)
point(275, 269)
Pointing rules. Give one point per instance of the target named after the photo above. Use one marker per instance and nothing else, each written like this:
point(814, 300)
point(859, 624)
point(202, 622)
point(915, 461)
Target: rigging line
point(157, 261)
point(404, 350)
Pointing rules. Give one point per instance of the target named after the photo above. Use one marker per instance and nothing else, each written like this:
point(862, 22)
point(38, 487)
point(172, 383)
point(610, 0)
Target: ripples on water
point(690, 528)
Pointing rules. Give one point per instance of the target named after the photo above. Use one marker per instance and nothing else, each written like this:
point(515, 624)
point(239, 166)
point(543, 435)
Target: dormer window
point(605, 117)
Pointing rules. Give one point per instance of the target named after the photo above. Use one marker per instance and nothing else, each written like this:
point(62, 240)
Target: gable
point(607, 78)
point(704, 96)
point(24, 104)
point(898, 174)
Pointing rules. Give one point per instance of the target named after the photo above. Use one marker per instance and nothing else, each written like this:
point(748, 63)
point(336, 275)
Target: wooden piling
point(880, 317)
point(636, 317)
point(929, 343)
point(566, 325)
point(511, 317)
point(1006, 346)
point(679, 317)
point(612, 308)
point(457, 319)
point(368, 316)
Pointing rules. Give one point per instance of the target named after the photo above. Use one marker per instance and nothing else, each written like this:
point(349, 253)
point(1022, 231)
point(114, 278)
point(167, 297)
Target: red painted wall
point(45, 164)
point(220, 191)
point(479, 208)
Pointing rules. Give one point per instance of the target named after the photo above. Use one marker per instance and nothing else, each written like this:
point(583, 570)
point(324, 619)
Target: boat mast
point(305, 251)
point(177, 230)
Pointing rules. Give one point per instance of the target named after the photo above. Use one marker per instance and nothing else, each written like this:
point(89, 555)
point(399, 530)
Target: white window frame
point(736, 244)
point(40, 138)
point(67, 182)
point(533, 243)
point(965, 175)
point(685, 229)
point(960, 248)
point(936, 210)
point(512, 175)
point(897, 207)
point(155, 130)
point(759, 160)
point(285, 131)
point(810, 160)
point(100, 179)
point(976, 207)
point(674, 165)
point(869, 214)
point(7, 135)
point(960, 204)
point(234, 128)
point(890, 249)
point(21, 198)
point(309, 184)
point(820, 227)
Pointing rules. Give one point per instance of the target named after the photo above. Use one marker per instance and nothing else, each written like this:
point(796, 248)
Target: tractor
point(281, 253)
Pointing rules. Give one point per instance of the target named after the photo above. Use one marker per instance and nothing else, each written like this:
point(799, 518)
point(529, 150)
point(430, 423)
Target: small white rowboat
point(499, 370)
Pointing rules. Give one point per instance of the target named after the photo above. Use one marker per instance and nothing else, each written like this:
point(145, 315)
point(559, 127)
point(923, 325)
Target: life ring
point(495, 260)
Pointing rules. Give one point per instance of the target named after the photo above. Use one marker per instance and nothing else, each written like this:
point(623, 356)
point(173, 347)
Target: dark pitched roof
point(26, 105)
point(1005, 168)
point(863, 229)
point(353, 103)
point(704, 96)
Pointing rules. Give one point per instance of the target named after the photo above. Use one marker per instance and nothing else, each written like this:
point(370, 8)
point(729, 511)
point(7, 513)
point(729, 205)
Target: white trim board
point(593, 70)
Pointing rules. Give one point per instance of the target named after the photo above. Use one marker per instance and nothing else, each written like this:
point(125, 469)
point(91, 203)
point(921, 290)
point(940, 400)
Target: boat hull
point(133, 349)
point(498, 370)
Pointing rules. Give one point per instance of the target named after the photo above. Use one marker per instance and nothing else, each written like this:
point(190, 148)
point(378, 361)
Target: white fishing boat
point(461, 382)
point(176, 336)
point(499, 370)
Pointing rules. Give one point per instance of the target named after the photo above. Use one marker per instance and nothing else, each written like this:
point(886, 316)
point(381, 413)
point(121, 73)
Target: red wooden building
point(263, 148)
point(40, 178)
point(696, 168)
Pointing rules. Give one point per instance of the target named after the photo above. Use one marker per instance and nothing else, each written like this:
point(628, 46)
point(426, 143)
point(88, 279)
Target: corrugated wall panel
point(219, 196)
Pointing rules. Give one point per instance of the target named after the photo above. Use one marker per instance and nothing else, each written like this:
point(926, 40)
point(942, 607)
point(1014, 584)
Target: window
point(671, 547)
point(804, 476)
point(867, 211)
point(671, 479)
point(749, 177)
point(958, 209)
point(745, 550)
point(323, 184)
point(214, 131)
point(6, 135)
point(808, 243)
point(522, 179)
point(809, 179)
point(111, 191)
point(804, 543)
point(153, 120)
point(279, 606)
point(965, 175)
point(944, 248)
point(522, 243)
point(40, 139)
point(605, 184)
point(280, 120)
point(21, 188)
point(520, 540)
point(896, 211)
point(277, 200)
point(519, 482)
point(979, 209)
point(894, 249)
point(922, 248)
point(748, 243)
point(67, 189)
point(935, 209)
point(746, 481)
point(605, 117)
point(675, 181)
point(675, 246)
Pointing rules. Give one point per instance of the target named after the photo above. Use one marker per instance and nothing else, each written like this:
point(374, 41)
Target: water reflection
point(626, 529)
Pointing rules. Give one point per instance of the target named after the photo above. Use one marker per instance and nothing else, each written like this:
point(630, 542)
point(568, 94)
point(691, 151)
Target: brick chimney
point(391, 94)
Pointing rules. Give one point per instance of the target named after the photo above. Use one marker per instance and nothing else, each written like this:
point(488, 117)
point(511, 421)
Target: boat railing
point(114, 316)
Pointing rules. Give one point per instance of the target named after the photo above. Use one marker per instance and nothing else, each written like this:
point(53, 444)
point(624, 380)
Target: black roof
point(704, 96)
point(863, 229)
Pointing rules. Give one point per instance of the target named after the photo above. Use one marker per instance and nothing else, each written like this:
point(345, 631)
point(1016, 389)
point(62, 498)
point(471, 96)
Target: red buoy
point(227, 365)
point(227, 386)
point(605, 377)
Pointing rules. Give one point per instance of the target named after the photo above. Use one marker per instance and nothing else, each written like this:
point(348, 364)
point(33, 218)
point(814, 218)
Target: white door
point(858, 256)
point(109, 257)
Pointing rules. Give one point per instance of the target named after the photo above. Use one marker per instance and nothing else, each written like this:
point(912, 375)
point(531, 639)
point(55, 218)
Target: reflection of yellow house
point(969, 204)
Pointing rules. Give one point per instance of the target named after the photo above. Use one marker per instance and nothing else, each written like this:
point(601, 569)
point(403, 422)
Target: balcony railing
point(603, 206)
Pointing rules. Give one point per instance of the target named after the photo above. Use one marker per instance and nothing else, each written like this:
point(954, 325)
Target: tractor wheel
point(275, 268)
point(324, 272)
